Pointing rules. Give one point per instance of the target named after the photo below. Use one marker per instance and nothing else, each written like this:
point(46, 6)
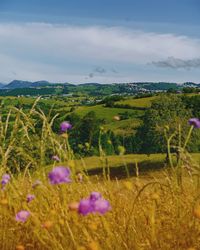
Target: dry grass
point(149, 212)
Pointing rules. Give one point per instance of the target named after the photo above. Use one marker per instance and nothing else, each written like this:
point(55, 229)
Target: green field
point(144, 102)
point(126, 126)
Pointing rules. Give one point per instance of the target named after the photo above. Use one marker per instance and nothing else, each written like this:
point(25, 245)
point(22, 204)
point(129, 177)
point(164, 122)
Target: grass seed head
point(20, 247)
point(47, 224)
point(196, 212)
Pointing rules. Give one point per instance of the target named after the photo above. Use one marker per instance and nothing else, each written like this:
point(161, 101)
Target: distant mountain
point(1, 85)
point(18, 87)
point(40, 84)
point(17, 84)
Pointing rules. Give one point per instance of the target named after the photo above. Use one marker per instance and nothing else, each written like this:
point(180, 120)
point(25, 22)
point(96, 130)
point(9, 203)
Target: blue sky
point(100, 41)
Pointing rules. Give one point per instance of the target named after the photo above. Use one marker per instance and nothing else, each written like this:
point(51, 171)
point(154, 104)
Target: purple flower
point(64, 126)
point(55, 158)
point(5, 179)
point(30, 197)
point(94, 204)
point(94, 196)
point(59, 175)
point(194, 122)
point(22, 216)
point(36, 183)
point(102, 206)
point(85, 207)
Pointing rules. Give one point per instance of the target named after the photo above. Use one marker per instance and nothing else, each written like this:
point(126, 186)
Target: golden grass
point(151, 210)
point(147, 213)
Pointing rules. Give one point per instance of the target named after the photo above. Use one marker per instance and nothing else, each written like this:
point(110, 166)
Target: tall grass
point(147, 213)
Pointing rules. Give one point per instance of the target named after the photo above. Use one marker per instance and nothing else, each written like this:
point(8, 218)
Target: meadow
point(51, 200)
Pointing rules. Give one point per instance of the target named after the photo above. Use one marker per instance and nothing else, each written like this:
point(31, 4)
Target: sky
point(103, 41)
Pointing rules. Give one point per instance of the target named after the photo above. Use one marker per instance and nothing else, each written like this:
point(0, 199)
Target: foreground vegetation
point(146, 214)
point(145, 201)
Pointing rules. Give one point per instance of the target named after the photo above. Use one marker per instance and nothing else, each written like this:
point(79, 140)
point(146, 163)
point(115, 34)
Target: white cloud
point(43, 51)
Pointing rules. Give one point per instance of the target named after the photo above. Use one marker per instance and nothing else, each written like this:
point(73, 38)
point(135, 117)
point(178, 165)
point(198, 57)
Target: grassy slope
point(119, 127)
point(140, 102)
point(123, 127)
point(121, 166)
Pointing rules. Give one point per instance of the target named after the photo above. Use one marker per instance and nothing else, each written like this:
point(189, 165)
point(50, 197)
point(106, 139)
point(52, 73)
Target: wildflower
point(94, 196)
point(47, 224)
point(59, 175)
point(22, 216)
point(94, 204)
point(194, 122)
point(36, 183)
point(73, 206)
point(85, 207)
point(64, 126)
point(30, 197)
point(5, 179)
point(20, 247)
point(101, 206)
point(55, 158)
point(196, 212)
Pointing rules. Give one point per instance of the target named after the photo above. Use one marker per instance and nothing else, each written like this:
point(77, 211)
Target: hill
point(91, 89)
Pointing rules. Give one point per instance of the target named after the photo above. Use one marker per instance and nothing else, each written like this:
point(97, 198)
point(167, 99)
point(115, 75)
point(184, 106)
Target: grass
point(122, 127)
point(106, 113)
point(138, 103)
point(150, 209)
point(147, 213)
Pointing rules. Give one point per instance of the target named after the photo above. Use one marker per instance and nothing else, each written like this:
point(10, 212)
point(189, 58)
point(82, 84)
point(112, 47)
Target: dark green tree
point(168, 113)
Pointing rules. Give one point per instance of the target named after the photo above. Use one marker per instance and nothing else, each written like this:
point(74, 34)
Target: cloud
point(91, 75)
point(114, 71)
point(177, 63)
point(47, 51)
point(100, 70)
point(97, 70)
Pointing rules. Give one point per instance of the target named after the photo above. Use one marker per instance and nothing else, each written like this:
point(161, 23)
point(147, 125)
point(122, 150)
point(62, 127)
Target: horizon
point(104, 42)
point(67, 82)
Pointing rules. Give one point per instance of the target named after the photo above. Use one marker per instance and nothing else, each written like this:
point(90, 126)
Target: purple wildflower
point(5, 179)
point(85, 207)
point(59, 175)
point(194, 122)
point(36, 183)
point(94, 204)
point(64, 126)
point(94, 196)
point(22, 216)
point(55, 158)
point(102, 206)
point(30, 197)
